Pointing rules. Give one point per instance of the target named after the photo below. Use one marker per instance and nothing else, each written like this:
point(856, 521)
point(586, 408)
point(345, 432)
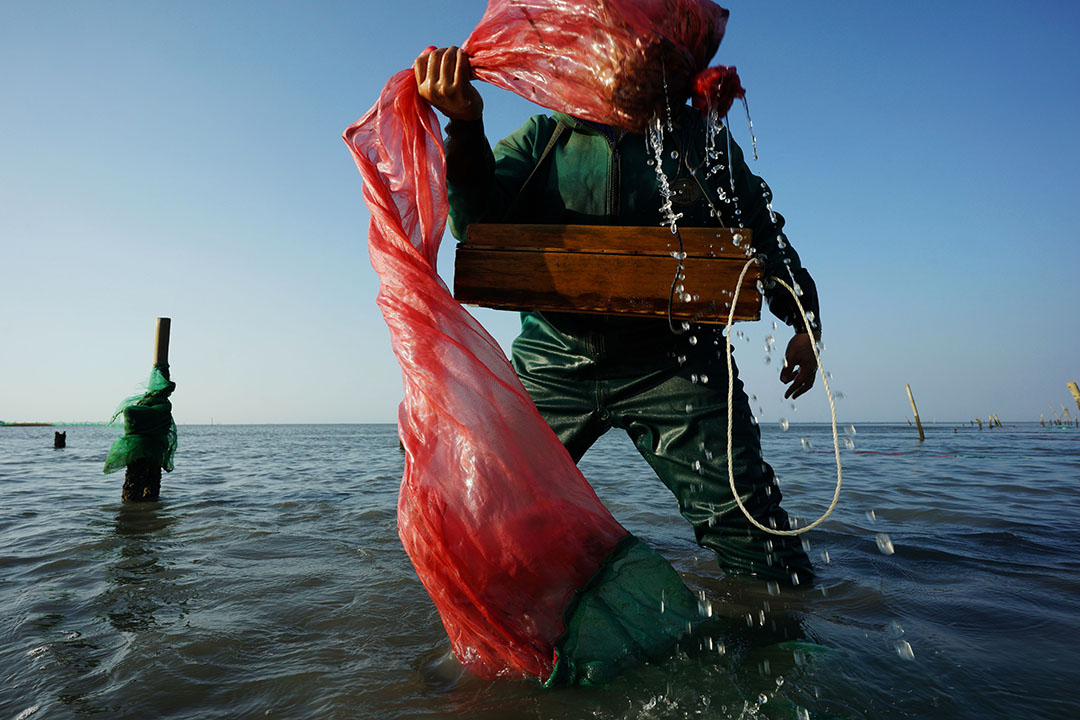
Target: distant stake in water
point(1075, 390)
point(149, 440)
point(918, 423)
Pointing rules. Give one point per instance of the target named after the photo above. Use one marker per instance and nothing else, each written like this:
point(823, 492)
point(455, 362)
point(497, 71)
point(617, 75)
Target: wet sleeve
point(778, 257)
point(482, 183)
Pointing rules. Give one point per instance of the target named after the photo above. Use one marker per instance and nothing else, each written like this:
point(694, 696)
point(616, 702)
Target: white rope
point(730, 411)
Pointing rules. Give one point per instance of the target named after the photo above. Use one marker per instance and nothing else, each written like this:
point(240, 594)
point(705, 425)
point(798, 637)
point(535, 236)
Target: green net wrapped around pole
point(149, 430)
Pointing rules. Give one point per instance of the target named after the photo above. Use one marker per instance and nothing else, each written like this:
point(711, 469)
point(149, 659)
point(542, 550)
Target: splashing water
point(884, 544)
point(654, 140)
point(753, 138)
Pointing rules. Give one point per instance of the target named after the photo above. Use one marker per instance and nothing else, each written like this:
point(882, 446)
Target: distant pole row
point(992, 420)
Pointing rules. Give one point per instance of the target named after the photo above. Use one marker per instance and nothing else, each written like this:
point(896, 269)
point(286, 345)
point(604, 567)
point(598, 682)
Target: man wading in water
point(590, 373)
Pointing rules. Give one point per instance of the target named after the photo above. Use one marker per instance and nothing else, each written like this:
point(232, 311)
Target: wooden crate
point(605, 269)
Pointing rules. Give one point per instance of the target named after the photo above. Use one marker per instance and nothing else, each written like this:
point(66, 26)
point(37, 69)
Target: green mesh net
point(635, 608)
point(149, 430)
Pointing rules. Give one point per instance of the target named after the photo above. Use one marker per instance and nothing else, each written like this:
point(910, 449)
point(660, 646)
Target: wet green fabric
point(634, 608)
point(584, 384)
point(149, 430)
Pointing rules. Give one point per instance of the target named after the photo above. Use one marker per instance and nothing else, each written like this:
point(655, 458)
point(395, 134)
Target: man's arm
point(481, 183)
point(780, 260)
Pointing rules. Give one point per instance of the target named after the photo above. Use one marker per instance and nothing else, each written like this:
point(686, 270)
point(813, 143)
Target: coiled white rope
point(730, 410)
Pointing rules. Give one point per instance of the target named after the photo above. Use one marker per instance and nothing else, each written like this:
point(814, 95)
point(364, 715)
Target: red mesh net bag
point(502, 529)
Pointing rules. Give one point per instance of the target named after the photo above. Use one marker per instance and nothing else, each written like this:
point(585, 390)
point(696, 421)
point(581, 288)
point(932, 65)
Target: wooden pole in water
point(161, 342)
point(142, 477)
point(1075, 392)
point(915, 410)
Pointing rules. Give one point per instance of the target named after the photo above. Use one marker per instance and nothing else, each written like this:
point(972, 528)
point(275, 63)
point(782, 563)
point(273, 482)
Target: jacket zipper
point(613, 180)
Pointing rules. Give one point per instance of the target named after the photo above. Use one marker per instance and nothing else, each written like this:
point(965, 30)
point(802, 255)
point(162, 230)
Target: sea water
point(270, 582)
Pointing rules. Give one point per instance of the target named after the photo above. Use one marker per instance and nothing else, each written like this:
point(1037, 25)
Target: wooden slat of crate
point(604, 269)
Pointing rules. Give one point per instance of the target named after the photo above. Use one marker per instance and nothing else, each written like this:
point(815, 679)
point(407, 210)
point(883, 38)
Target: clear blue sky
point(184, 159)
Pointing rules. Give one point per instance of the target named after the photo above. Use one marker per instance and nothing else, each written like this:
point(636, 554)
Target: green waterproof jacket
point(597, 175)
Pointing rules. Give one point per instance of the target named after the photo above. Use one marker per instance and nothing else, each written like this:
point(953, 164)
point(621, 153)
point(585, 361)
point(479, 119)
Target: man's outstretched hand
point(800, 366)
point(443, 78)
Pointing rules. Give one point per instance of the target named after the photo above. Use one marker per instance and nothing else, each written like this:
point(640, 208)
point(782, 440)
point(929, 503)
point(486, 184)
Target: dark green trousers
point(588, 374)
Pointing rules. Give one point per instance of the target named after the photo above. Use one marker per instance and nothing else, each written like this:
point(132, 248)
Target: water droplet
point(689, 408)
point(650, 162)
point(810, 315)
point(686, 297)
point(679, 291)
point(795, 578)
point(692, 340)
point(773, 587)
point(697, 463)
point(685, 325)
point(674, 154)
point(894, 629)
point(849, 443)
point(737, 239)
point(825, 556)
point(871, 515)
point(704, 379)
point(884, 544)
point(681, 360)
point(806, 445)
point(784, 424)
point(850, 430)
point(693, 378)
